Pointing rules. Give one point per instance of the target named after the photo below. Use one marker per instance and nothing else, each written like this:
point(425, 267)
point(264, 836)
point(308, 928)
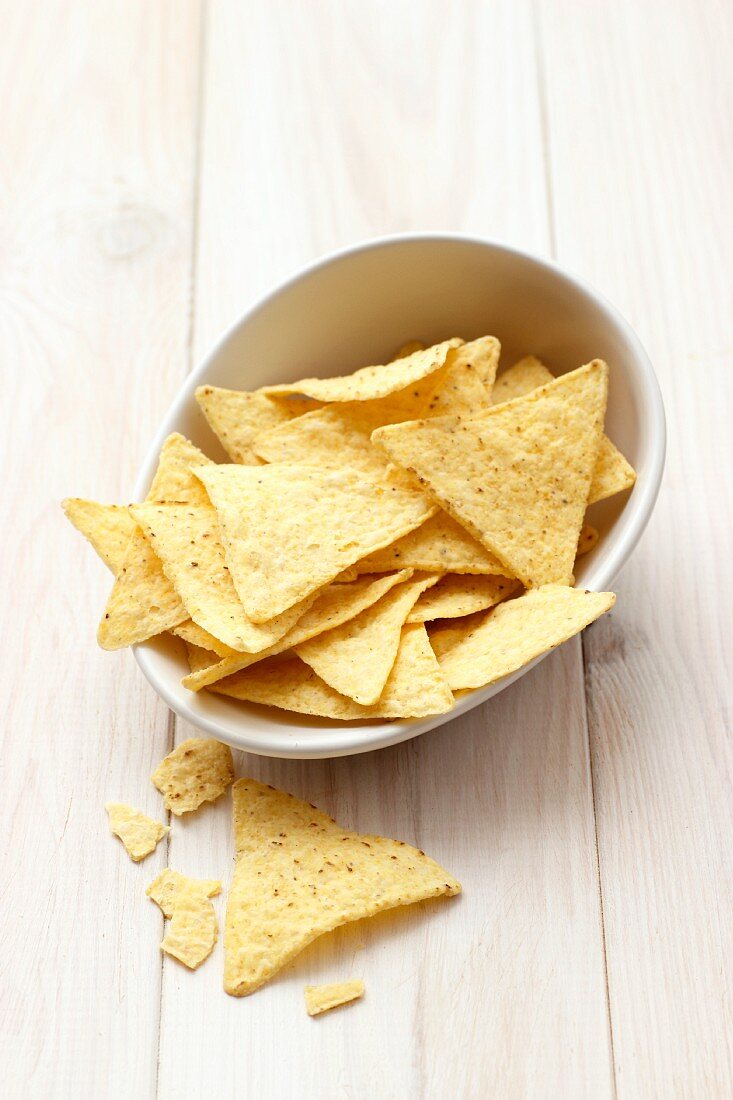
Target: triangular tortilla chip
point(336, 604)
point(298, 874)
point(460, 594)
point(173, 480)
point(186, 539)
point(236, 417)
point(199, 658)
point(194, 634)
point(414, 689)
point(612, 472)
point(440, 545)
point(371, 382)
point(518, 477)
point(465, 382)
point(514, 633)
point(355, 659)
point(108, 527)
point(288, 530)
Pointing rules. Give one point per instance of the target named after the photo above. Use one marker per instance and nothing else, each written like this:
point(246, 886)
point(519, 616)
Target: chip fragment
point(298, 875)
point(108, 527)
point(169, 885)
point(514, 633)
point(356, 658)
point(415, 687)
point(193, 928)
point(173, 479)
point(198, 770)
point(336, 604)
point(459, 594)
point(138, 832)
point(288, 530)
point(517, 477)
point(371, 382)
point(322, 998)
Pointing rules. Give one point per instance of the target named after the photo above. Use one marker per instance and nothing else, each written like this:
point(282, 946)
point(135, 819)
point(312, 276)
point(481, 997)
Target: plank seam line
point(544, 126)
point(598, 867)
point(195, 217)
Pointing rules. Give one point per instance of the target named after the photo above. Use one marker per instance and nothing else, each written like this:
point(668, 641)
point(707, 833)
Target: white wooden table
point(165, 164)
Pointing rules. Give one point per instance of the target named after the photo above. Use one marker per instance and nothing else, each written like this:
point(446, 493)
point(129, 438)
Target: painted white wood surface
point(166, 165)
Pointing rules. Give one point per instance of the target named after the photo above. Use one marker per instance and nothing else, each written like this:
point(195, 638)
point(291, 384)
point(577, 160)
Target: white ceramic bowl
point(355, 307)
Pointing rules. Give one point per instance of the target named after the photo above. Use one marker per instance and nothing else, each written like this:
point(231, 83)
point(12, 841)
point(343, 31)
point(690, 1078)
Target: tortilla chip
point(465, 382)
point(108, 527)
point(298, 874)
point(612, 472)
point(518, 477)
point(322, 998)
point(407, 349)
point(588, 540)
point(168, 886)
point(186, 539)
point(139, 833)
point(236, 417)
point(200, 658)
point(288, 530)
point(173, 480)
point(336, 604)
point(198, 770)
point(459, 594)
point(414, 689)
point(193, 929)
point(371, 382)
point(440, 545)
point(356, 659)
point(514, 633)
point(195, 635)
point(142, 602)
point(444, 635)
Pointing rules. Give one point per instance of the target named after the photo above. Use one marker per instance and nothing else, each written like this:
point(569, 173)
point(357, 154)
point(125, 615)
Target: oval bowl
point(355, 307)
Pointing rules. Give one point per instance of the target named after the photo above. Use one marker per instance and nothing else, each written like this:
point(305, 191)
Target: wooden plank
point(98, 128)
point(323, 124)
point(640, 113)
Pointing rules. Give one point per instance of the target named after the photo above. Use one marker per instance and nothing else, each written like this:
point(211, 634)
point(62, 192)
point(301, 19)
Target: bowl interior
point(357, 308)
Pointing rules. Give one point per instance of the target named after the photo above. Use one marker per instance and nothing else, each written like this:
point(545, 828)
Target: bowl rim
point(347, 738)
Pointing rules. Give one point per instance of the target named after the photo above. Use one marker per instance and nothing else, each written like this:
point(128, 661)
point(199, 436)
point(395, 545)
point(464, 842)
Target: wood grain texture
point(323, 124)
point(658, 669)
point(97, 128)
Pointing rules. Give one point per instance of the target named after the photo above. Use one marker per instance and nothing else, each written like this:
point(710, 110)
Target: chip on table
point(138, 832)
point(196, 771)
point(322, 998)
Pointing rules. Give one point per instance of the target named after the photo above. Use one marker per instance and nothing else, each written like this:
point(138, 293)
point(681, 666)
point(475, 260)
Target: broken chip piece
point(322, 998)
point(193, 928)
point(198, 770)
point(138, 832)
point(168, 886)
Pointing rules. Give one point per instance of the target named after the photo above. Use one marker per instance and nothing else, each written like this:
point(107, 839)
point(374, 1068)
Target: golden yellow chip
point(612, 472)
point(415, 687)
point(195, 635)
point(440, 545)
point(200, 658)
point(322, 998)
point(459, 594)
point(187, 541)
point(588, 539)
point(168, 886)
point(237, 417)
point(298, 874)
point(516, 632)
point(334, 605)
point(444, 635)
point(288, 530)
point(517, 477)
point(356, 658)
point(108, 527)
point(465, 382)
point(142, 602)
point(193, 929)
point(173, 480)
point(139, 833)
point(198, 770)
point(371, 382)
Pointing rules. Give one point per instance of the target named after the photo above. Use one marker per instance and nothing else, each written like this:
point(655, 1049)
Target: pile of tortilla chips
point(378, 541)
